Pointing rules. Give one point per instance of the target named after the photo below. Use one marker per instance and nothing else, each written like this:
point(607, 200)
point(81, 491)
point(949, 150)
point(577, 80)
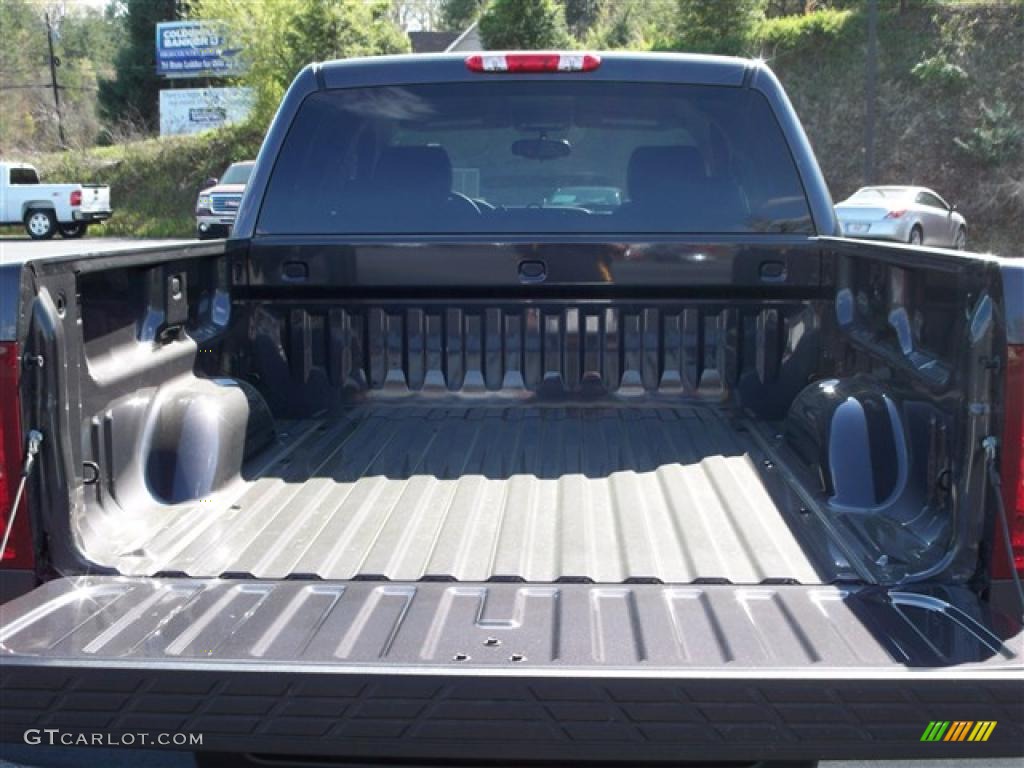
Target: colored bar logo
point(958, 730)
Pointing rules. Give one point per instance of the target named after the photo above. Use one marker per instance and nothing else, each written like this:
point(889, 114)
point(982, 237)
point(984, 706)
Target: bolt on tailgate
point(636, 671)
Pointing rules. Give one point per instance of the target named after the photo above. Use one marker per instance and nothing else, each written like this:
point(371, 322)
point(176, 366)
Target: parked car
point(914, 215)
point(392, 476)
point(45, 209)
point(218, 201)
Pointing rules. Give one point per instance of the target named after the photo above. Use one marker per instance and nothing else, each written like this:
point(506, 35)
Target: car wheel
point(960, 243)
point(40, 224)
point(73, 231)
point(916, 236)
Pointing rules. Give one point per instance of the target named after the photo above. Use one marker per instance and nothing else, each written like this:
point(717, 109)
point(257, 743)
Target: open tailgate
point(589, 672)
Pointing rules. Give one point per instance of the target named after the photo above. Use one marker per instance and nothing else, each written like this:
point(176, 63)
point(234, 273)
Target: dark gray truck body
point(373, 496)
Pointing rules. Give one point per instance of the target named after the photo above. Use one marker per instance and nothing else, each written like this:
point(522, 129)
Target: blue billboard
point(195, 49)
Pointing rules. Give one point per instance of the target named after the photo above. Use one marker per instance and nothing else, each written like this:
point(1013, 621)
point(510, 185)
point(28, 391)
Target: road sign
point(194, 110)
point(195, 49)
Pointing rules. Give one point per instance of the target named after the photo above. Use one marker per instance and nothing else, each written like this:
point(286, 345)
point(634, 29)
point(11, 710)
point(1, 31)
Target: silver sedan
point(907, 214)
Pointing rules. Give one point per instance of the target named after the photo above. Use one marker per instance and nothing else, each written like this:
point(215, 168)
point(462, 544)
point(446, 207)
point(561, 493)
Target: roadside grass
point(153, 182)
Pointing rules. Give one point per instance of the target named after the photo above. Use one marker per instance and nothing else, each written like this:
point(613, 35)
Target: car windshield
point(534, 157)
point(237, 173)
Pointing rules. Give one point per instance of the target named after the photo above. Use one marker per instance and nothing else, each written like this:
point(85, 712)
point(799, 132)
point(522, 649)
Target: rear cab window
point(24, 176)
point(535, 157)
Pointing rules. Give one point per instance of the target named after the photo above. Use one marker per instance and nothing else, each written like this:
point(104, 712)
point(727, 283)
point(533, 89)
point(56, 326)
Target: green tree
point(280, 37)
point(523, 24)
point(639, 25)
point(582, 15)
point(416, 14)
point(457, 15)
point(134, 93)
point(717, 26)
point(21, 26)
point(85, 44)
point(618, 27)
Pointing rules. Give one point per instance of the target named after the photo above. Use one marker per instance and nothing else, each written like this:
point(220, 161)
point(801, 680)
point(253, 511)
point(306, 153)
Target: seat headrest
point(420, 170)
point(657, 173)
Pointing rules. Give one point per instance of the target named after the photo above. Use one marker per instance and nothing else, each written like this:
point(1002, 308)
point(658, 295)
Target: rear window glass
point(873, 194)
point(24, 176)
point(532, 157)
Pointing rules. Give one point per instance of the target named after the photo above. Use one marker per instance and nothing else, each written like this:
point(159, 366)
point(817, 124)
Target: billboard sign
point(194, 110)
point(195, 49)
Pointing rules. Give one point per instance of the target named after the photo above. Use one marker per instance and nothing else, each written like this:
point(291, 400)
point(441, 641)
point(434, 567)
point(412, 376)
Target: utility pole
point(53, 81)
point(870, 93)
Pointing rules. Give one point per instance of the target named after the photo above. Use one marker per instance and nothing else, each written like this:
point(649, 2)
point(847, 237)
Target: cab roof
point(695, 69)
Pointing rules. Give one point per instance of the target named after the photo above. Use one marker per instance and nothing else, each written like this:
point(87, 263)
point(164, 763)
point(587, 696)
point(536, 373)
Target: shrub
point(997, 138)
point(717, 26)
point(939, 71)
point(153, 183)
point(790, 32)
point(618, 28)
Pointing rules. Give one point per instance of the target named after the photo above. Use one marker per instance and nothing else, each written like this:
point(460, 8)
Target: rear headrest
point(657, 173)
point(420, 170)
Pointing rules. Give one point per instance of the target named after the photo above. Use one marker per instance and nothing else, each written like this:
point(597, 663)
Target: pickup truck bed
point(422, 476)
point(424, 527)
point(603, 493)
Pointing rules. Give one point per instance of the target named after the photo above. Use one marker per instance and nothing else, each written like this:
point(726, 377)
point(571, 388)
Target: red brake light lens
point(896, 214)
point(76, 197)
point(533, 62)
point(1012, 470)
point(19, 552)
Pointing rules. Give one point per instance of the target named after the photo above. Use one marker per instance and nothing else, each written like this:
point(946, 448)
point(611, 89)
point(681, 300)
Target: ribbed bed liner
point(408, 492)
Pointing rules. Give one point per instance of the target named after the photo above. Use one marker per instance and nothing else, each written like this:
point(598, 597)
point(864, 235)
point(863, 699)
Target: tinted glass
point(534, 157)
point(928, 199)
point(24, 176)
point(237, 174)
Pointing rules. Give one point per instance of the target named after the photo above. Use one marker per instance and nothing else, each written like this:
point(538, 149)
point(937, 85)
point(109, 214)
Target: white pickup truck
point(45, 209)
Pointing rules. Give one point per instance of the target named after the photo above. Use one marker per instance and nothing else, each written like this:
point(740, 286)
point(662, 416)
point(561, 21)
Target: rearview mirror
point(210, 182)
point(542, 149)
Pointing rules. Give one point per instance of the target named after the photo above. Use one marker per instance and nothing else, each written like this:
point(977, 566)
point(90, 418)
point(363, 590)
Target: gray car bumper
point(889, 229)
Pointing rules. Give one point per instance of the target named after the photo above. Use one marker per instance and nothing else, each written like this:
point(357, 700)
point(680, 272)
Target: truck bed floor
point(516, 493)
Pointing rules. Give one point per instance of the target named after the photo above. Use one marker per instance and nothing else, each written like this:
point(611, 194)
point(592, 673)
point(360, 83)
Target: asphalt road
point(22, 248)
point(15, 249)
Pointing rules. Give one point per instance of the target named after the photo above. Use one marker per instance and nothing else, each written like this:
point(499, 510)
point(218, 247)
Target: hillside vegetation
point(153, 183)
point(950, 115)
point(950, 110)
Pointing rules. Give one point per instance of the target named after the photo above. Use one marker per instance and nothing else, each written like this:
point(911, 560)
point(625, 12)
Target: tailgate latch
point(175, 306)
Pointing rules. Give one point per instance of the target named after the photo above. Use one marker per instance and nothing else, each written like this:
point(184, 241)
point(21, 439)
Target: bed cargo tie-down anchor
point(175, 308)
point(35, 441)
